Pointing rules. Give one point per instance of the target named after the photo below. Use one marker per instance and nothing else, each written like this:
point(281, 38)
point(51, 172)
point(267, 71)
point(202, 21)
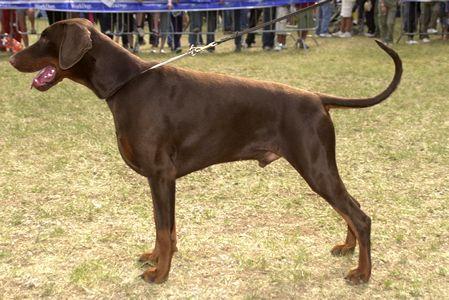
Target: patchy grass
point(74, 218)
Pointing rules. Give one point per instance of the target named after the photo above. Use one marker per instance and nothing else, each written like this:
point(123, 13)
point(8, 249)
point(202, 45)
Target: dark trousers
point(55, 16)
point(177, 27)
point(269, 13)
point(105, 21)
point(211, 20)
point(237, 27)
point(254, 16)
point(409, 17)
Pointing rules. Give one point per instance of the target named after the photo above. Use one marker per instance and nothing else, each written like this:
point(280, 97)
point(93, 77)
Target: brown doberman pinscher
point(171, 122)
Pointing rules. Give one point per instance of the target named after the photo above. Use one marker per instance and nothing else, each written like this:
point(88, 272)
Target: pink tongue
point(44, 76)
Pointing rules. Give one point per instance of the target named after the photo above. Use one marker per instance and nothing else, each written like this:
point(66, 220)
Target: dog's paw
point(149, 257)
point(152, 275)
point(357, 276)
point(341, 250)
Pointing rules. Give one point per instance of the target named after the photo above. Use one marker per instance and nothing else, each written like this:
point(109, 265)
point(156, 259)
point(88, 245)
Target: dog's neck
point(107, 67)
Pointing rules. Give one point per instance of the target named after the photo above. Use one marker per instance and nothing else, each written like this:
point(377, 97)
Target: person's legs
point(268, 37)
point(424, 20)
point(434, 15)
point(281, 37)
point(22, 25)
point(165, 29)
point(369, 17)
point(382, 18)
point(346, 14)
point(105, 20)
point(176, 20)
point(326, 11)
point(237, 27)
point(211, 19)
point(253, 19)
point(391, 17)
point(195, 27)
point(30, 14)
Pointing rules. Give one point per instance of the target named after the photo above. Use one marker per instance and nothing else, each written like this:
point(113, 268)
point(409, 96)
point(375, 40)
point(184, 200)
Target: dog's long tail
point(330, 101)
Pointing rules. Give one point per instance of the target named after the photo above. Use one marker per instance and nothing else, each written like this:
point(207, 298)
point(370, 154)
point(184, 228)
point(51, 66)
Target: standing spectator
point(346, 19)
point(387, 16)
point(254, 16)
point(211, 21)
point(237, 27)
point(305, 23)
point(409, 17)
point(435, 13)
point(324, 16)
point(429, 14)
point(105, 20)
point(30, 13)
point(165, 26)
point(55, 16)
point(444, 9)
point(140, 24)
point(196, 22)
point(268, 33)
point(176, 21)
point(368, 10)
point(281, 34)
point(22, 25)
point(8, 18)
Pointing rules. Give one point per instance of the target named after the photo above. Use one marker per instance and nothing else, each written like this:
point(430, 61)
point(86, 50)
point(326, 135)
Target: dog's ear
point(75, 43)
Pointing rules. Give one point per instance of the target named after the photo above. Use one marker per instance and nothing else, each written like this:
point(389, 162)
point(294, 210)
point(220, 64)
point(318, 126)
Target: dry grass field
point(74, 217)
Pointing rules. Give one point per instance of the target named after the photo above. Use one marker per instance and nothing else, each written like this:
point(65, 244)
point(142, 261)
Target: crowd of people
point(372, 18)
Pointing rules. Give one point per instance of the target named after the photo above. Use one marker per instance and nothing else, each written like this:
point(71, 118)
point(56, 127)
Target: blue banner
point(142, 6)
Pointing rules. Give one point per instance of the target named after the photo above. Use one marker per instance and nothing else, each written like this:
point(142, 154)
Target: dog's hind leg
point(348, 246)
point(313, 156)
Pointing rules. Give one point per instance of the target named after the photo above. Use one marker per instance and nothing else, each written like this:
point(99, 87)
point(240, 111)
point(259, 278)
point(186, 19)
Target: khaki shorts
point(346, 8)
point(305, 19)
point(280, 12)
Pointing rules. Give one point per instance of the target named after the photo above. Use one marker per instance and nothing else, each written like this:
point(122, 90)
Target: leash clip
point(195, 50)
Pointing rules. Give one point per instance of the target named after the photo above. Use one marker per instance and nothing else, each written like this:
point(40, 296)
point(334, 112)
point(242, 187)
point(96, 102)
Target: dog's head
point(60, 47)
point(74, 49)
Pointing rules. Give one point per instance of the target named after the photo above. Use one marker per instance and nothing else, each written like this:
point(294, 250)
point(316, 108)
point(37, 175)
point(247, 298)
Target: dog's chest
point(128, 153)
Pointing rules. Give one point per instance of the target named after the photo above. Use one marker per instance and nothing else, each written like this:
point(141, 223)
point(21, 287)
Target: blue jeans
point(324, 17)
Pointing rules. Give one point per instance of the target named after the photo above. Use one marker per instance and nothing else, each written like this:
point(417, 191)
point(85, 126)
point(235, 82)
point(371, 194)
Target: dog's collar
point(117, 88)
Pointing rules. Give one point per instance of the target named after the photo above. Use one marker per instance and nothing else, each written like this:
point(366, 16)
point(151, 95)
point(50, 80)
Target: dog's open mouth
point(44, 79)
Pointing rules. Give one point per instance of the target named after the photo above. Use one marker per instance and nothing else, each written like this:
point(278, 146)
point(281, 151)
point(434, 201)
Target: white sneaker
point(278, 47)
point(412, 42)
point(325, 35)
point(346, 34)
point(367, 34)
point(426, 40)
point(432, 30)
point(337, 34)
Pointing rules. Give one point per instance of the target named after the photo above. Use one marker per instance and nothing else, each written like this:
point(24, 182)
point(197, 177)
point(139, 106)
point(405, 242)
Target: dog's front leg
point(163, 194)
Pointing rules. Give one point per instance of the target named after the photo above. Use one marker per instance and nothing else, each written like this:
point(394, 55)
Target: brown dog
point(171, 122)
